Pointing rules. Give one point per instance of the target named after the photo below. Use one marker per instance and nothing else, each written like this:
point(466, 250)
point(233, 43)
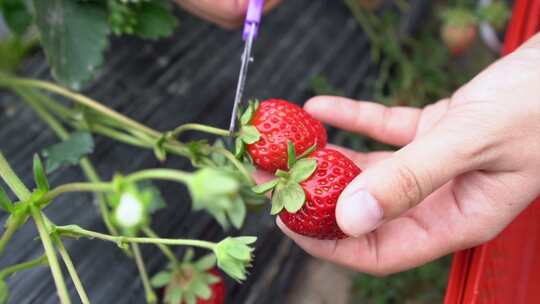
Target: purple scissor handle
point(251, 29)
point(253, 18)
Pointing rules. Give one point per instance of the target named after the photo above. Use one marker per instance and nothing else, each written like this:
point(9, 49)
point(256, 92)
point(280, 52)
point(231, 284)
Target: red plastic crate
point(506, 269)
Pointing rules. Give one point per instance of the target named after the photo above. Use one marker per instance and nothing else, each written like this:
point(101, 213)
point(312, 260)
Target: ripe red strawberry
point(459, 30)
point(268, 126)
point(306, 196)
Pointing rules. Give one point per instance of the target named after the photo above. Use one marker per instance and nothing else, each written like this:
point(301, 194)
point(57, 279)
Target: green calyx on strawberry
point(191, 282)
point(248, 134)
point(287, 192)
point(268, 126)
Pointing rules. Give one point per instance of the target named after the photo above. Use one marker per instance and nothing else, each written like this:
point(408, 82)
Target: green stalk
point(78, 98)
point(31, 98)
point(75, 187)
point(51, 255)
point(150, 295)
point(119, 136)
point(9, 231)
point(77, 231)
point(71, 269)
point(236, 163)
point(12, 180)
point(165, 249)
point(162, 174)
point(198, 127)
point(41, 261)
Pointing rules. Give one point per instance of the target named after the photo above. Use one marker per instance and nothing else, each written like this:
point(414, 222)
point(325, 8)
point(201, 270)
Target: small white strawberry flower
point(130, 211)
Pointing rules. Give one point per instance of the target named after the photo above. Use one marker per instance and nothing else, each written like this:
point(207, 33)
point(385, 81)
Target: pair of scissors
point(249, 34)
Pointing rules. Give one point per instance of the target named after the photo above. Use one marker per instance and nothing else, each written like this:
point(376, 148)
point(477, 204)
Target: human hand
point(226, 13)
point(468, 166)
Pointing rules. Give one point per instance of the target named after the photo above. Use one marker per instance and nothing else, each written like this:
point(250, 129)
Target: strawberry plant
point(220, 185)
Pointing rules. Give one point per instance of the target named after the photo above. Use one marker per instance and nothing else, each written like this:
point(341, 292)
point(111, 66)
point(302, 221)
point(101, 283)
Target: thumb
point(400, 182)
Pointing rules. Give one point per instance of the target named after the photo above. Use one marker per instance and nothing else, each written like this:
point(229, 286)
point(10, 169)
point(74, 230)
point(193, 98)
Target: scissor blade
point(246, 58)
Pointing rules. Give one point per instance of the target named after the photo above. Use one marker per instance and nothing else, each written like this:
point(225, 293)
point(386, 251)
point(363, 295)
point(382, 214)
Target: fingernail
point(358, 213)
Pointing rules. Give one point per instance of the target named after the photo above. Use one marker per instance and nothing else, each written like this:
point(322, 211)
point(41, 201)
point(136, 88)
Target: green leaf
point(237, 212)
point(188, 256)
point(308, 151)
point(205, 263)
point(294, 197)
point(154, 20)
point(189, 298)
point(161, 279)
point(246, 117)
point(39, 175)
point(249, 134)
point(302, 170)
point(174, 295)
point(291, 154)
point(212, 279)
point(74, 37)
point(70, 151)
point(201, 289)
point(263, 188)
point(16, 15)
point(209, 184)
point(240, 147)
point(278, 200)
point(5, 202)
point(4, 292)
point(152, 194)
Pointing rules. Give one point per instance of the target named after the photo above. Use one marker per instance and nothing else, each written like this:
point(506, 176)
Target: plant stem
point(42, 112)
point(165, 249)
point(41, 261)
point(118, 135)
point(63, 134)
point(198, 127)
point(71, 231)
point(81, 99)
point(51, 255)
point(75, 187)
point(12, 180)
point(163, 174)
point(92, 176)
point(235, 162)
point(150, 295)
point(11, 228)
point(71, 269)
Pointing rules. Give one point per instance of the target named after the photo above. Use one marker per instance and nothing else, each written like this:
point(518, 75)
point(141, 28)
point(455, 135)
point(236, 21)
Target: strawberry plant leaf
point(206, 262)
point(201, 289)
point(246, 117)
point(263, 188)
point(74, 37)
point(190, 298)
point(16, 15)
point(154, 20)
point(69, 151)
point(308, 151)
point(302, 170)
point(291, 154)
point(249, 134)
point(174, 295)
point(152, 196)
point(39, 175)
point(278, 200)
point(294, 197)
point(161, 279)
point(5, 202)
point(239, 148)
point(237, 212)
